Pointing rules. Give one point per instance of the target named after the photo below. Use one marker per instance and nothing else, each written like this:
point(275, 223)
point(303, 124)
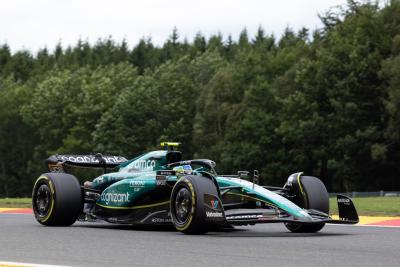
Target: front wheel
point(187, 204)
point(311, 194)
point(57, 199)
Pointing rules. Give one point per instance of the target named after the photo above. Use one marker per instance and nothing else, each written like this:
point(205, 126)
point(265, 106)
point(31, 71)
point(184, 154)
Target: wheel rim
point(43, 200)
point(183, 205)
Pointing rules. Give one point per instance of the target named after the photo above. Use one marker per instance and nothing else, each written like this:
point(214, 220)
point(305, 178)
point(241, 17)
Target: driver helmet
point(183, 169)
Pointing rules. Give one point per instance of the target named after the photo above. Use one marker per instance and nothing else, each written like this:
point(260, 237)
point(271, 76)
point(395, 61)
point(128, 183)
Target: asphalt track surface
point(101, 244)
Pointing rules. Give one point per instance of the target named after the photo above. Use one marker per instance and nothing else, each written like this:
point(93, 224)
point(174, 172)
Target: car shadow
point(220, 232)
point(159, 228)
point(256, 234)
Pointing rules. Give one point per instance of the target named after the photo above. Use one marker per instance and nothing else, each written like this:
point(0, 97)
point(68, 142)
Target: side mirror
point(243, 174)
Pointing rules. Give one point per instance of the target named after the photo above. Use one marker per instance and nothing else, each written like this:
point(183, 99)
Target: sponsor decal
point(213, 214)
point(161, 220)
point(161, 183)
point(161, 177)
point(239, 217)
point(213, 207)
point(115, 197)
point(267, 217)
point(91, 159)
point(214, 203)
point(137, 183)
point(166, 173)
point(161, 180)
point(344, 201)
point(143, 164)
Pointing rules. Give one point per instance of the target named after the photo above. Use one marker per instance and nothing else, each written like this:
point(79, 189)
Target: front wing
point(347, 215)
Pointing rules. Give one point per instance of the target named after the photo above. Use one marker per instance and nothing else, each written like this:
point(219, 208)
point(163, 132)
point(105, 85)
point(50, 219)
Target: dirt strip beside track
point(16, 210)
point(391, 222)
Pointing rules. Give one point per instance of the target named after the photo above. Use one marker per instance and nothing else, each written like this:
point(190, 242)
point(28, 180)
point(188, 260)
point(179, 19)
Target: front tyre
point(311, 194)
point(57, 199)
point(187, 204)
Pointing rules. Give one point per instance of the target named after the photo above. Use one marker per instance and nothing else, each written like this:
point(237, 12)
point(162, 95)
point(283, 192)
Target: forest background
point(325, 102)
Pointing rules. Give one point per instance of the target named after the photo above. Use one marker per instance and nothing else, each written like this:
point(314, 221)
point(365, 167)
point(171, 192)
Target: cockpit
point(168, 159)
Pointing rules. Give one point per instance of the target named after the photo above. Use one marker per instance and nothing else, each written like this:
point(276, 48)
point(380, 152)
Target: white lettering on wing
point(144, 164)
point(115, 197)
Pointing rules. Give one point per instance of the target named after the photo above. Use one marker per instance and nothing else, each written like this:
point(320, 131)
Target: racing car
point(159, 188)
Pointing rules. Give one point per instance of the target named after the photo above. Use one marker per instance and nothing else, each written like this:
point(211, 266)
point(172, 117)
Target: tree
point(172, 48)
point(144, 56)
point(19, 65)
point(243, 39)
point(17, 140)
point(66, 106)
point(5, 56)
point(199, 44)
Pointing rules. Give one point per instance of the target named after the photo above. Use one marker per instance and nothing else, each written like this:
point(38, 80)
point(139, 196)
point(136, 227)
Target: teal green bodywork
point(136, 180)
point(259, 193)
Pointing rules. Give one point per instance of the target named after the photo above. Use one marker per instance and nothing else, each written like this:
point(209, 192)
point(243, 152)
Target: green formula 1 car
point(159, 188)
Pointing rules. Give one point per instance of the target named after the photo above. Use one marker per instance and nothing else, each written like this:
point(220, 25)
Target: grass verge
point(372, 206)
point(367, 206)
point(15, 202)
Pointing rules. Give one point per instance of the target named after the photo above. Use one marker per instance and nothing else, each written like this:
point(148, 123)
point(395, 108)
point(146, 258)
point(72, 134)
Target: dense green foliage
point(327, 103)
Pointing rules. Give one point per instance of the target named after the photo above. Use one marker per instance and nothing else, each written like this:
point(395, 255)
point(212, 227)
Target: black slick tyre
point(312, 194)
point(187, 204)
point(57, 199)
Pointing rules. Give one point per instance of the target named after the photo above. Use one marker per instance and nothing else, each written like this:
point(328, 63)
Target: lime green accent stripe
point(134, 207)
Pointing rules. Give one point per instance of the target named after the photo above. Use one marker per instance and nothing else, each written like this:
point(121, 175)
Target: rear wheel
point(57, 199)
point(187, 204)
point(311, 194)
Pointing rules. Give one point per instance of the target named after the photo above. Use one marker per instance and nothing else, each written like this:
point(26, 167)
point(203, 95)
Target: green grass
point(15, 202)
point(372, 206)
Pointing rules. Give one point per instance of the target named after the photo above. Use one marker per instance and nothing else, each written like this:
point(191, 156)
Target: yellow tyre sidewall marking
point(48, 181)
point(301, 189)
point(193, 206)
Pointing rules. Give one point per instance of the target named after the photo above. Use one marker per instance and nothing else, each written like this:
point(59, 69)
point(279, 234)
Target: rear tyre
point(311, 195)
point(187, 204)
point(57, 199)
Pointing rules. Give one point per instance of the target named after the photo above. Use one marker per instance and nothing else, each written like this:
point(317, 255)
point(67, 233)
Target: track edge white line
point(26, 264)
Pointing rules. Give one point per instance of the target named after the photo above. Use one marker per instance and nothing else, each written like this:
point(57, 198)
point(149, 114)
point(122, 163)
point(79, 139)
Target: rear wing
point(56, 163)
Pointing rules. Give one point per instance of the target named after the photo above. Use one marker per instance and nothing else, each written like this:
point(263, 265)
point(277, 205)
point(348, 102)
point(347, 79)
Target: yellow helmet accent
point(170, 144)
